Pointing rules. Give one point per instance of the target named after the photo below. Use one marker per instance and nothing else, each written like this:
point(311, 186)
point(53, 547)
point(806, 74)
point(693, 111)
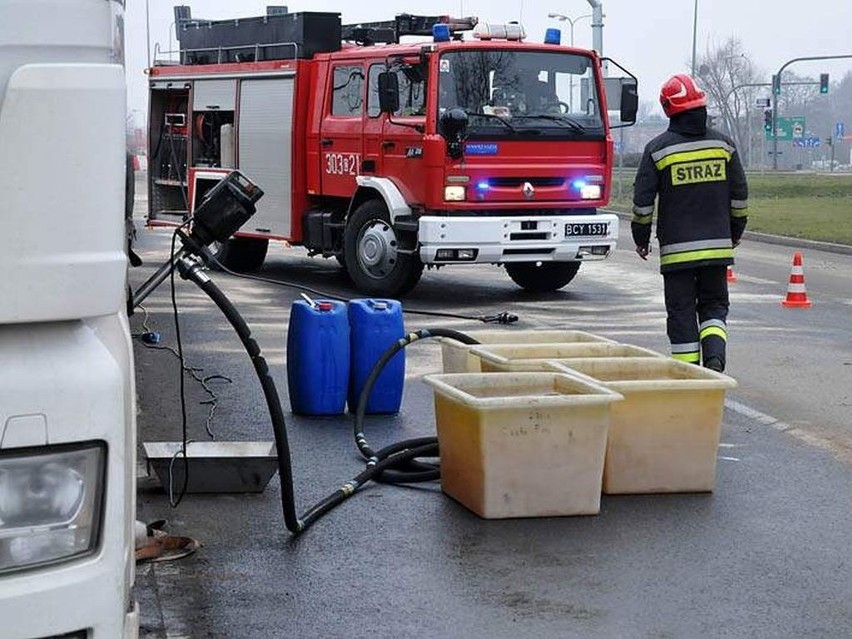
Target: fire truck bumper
point(494, 240)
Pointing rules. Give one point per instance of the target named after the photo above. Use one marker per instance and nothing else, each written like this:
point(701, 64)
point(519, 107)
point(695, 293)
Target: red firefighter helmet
point(680, 93)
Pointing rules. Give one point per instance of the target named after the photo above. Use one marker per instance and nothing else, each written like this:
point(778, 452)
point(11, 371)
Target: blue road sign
point(838, 130)
point(808, 142)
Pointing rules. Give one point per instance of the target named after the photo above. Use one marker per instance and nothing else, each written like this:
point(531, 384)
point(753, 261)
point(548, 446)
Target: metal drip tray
point(214, 467)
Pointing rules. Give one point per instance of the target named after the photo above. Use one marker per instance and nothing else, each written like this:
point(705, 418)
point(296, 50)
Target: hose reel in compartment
point(168, 150)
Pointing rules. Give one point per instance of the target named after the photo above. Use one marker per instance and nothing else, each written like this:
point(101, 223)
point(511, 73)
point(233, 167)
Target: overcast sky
point(652, 38)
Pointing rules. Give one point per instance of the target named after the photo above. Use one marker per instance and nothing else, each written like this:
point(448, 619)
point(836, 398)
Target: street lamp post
point(694, 34)
point(148, 32)
point(570, 21)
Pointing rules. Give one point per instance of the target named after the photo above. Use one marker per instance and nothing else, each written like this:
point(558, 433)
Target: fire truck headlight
point(590, 192)
point(51, 503)
point(454, 193)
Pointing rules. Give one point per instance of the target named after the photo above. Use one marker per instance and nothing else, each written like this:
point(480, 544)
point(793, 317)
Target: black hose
point(192, 271)
point(407, 470)
point(396, 463)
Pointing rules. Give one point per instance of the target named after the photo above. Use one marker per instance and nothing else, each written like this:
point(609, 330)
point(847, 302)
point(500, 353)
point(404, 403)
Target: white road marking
point(756, 415)
point(809, 438)
point(736, 459)
point(724, 445)
point(754, 280)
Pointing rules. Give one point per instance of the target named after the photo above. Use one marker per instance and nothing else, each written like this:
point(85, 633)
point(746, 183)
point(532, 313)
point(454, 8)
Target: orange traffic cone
point(732, 277)
point(797, 297)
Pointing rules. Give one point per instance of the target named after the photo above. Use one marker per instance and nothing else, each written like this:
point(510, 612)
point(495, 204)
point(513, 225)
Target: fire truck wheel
point(542, 277)
point(370, 252)
point(242, 254)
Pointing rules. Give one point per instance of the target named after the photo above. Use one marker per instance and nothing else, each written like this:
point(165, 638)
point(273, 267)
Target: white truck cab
point(67, 396)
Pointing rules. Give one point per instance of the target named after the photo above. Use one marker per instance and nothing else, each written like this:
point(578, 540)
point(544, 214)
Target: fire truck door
point(373, 124)
point(402, 142)
point(264, 149)
point(341, 134)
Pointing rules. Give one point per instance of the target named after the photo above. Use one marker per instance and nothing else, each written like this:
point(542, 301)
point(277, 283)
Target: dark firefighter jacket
point(703, 197)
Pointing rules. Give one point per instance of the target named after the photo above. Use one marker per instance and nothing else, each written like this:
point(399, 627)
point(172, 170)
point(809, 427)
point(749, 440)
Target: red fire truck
point(390, 155)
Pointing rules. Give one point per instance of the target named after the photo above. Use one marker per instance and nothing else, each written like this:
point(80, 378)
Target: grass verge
point(802, 205)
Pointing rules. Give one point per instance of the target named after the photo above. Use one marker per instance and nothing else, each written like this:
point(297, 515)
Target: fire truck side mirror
point(388, 92)
point(629, 102)
point(453, 126)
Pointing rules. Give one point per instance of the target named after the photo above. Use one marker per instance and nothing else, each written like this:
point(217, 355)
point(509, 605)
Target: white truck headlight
point(51, 503)
point(590, 192)
point(455, 193)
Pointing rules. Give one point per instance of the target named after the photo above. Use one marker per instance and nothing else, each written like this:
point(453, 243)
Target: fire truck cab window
point(412, 91)
point(348, 91)
point(553, 93)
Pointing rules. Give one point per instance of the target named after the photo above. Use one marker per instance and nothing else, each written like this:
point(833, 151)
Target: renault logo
point(528, 190)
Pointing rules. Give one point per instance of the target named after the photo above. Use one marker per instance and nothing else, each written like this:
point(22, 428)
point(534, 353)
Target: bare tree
point(723, 72)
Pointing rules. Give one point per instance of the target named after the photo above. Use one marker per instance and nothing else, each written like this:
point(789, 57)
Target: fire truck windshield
point(551, 93)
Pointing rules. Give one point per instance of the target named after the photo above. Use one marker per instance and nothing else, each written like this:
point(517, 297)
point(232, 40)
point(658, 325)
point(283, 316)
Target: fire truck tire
point(542, 277)
point(241, 254)
point(370, 253)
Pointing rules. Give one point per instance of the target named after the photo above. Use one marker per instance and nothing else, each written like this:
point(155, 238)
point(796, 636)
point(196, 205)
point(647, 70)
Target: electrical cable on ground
point(193, 371)
point(174, 503)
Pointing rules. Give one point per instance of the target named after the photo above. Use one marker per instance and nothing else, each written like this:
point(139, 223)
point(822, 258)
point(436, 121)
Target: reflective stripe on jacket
point(702, 198)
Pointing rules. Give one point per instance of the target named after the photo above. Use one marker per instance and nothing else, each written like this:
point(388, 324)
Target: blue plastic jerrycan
point(318, 357)
point(375, 325)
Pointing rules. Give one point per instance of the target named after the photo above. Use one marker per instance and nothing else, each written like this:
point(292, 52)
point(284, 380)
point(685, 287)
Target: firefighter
point(702, 200)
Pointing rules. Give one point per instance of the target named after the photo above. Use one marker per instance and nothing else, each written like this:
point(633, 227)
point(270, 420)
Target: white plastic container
point(664, 436)
point(536, 357)
point(522, 444)
point(458, 359)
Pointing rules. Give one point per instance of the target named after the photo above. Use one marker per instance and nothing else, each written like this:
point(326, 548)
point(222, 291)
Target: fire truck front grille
point(528, 236)
point(511, 182)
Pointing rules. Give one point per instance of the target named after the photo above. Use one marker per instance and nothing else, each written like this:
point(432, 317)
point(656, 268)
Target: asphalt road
point(766, 555)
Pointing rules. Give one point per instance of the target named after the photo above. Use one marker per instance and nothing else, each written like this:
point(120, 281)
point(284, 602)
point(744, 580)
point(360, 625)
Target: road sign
point(763, 103)
point(788, 128)
point(809, 142)
point(838, 130)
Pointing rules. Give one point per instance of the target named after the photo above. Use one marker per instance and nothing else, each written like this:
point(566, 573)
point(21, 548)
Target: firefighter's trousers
point(697, 308)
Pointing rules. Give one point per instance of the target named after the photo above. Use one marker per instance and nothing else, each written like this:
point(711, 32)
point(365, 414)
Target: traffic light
point(823, 83)
point(776, 85)
point(767, 120)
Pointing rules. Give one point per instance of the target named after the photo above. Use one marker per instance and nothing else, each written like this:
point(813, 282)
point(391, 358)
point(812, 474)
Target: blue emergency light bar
point(553, 36)
point(441, 32)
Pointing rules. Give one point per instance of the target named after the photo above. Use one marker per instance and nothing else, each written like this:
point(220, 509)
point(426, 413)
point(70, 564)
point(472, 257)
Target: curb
point(766, 238)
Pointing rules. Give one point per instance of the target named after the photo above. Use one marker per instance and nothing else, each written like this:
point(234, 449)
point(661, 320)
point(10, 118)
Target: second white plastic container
point(457, 357)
